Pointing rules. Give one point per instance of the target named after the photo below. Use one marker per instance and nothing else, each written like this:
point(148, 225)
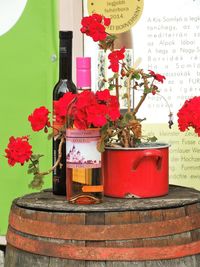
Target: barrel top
point(46, 201)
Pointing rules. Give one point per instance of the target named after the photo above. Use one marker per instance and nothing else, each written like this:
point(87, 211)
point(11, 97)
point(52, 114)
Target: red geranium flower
point(18, 150)
point(103, 95)
point(114, 57)
point(107, 21)
point(94, 26)
point(84, 99)
point(94, 109)
point(80, 121)
point(97, 115)
point(39, 118)
point(157, 76)
point(189, 115)
point(62, 105)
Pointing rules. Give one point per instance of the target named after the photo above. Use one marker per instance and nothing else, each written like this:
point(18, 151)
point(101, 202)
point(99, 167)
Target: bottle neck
point(65, 60)
point(83, 73)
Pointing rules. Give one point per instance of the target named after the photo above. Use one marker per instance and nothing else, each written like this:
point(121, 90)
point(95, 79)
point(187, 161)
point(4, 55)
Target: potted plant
point(134, 165)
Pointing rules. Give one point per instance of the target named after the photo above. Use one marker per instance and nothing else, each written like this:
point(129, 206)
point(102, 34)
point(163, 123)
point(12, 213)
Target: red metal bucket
point(136, 172)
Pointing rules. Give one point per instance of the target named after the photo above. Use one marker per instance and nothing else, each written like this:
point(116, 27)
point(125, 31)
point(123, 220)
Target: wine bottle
point(63, 85)
point(83, 82)
point(85, 184)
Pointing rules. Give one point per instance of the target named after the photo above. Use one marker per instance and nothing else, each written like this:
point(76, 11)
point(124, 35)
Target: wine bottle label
point(81, 148)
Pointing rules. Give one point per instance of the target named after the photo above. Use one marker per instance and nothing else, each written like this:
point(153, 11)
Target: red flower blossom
point(94, 110)
point(97, 115)
point(85, 99)
point(189, 115)
point(113, 108)
point(153, 92)
point(80, 121)
point(18, 150)
point(107, 21)
point(103, 95)
point(39, 119)
point(114, 57)
point(157, 76)
point(61, 106)
point(94, 26)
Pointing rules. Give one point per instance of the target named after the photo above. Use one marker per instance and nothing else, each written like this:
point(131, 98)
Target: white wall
point(70, 14)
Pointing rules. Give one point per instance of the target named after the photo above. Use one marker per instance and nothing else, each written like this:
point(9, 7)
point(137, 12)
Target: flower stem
point(129, 91)
point(117, 88)
point(58, 159)
point(139, 103)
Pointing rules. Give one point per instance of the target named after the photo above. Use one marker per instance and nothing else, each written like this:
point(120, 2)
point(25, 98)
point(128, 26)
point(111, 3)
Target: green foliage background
point(27, 76)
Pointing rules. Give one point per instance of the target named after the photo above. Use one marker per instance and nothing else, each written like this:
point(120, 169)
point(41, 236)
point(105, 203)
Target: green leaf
point(35, 157)
point(101, 145)
point(152, 139)
point(136, 76)
point(30, 165)
point(111, 87)
point(127, 117)
point(138, 141)
point(125, 96)
point(104, 129)
point(37, 182)
point(116, 75)
point(147, 90)
point(50, 136)
point(32, 170)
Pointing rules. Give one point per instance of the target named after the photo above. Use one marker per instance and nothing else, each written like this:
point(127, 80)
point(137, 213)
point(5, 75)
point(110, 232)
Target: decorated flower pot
point(136, 172)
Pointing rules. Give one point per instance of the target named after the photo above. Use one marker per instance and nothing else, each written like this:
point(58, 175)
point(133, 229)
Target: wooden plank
point(122, 243)
point(118, 218)
point(197, 258)
point(95, 218)
point(9, 257)
point(134, 217)
point(56, 262)
point(179, 239)
point(95, 264)
point(151, 216)
point(181, 262)
point(169, 214)
point(68, 218)
point(20, 258)
point(193, 208)
point(178, 196)
point(195, 234)
point(125, 264)
point(1, 258)
point(155, 242)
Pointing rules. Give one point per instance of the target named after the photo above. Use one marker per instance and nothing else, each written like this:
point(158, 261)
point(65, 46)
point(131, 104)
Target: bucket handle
point(154, 153)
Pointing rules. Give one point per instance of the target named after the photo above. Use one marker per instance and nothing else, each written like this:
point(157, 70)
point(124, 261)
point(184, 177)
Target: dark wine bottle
point(64, 84)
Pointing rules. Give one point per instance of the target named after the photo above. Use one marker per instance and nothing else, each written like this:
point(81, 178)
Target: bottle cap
point(83, 72)
point(65, 34)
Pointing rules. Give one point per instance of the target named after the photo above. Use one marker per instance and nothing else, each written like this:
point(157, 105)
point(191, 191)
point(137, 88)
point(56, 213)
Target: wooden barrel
point(44, 230)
